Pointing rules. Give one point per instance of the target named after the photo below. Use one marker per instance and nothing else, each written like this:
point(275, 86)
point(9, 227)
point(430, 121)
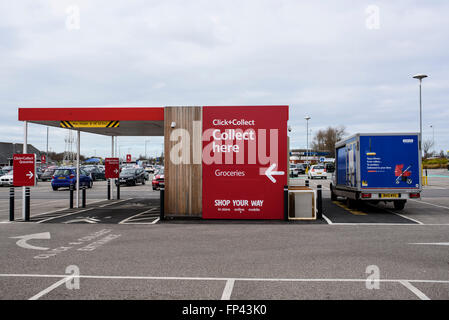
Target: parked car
point(39, 173)
point(6, 179)
point(293, 170)
point(95, 172)
point(330, 167)
point(5, 170)
point(158, 180)
point(301, 168)
point(48, 173)
point(317, 171)
point(149, 169)
point(64, 177)
point(131, 176)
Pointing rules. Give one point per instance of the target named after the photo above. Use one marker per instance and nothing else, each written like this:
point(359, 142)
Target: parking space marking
point(51, 288)
point(430, 204)
point(36, 204)
point(64, 215)
point(228, 289)
point(414, 289)
point(355, 212)
point(136, 215)
point(327, 219)
point(398, 214)
point(109, 204)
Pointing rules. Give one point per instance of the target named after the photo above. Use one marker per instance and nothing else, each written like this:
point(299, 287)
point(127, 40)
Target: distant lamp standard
point(433, 136)
point(307, 139)
point(146, 157)
point(420, 77)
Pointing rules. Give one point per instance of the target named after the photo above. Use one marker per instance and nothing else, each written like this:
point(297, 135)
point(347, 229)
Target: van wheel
point(351, 203)
point(55, 188)
point(399, 204)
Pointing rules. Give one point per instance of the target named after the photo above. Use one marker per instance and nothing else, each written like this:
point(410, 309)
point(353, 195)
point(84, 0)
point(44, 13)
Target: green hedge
point(435, 163)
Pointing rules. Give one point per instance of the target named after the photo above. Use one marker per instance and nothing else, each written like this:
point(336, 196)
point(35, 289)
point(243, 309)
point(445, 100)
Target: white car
point(317, 171)
point(6, 180)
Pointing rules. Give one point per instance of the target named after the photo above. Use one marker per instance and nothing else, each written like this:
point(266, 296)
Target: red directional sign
point(24, 170)
point(43, 159)
point(244, 162)
point(112, 168)
point(128, 158)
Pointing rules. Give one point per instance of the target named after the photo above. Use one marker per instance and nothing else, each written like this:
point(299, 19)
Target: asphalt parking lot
point(122, 251)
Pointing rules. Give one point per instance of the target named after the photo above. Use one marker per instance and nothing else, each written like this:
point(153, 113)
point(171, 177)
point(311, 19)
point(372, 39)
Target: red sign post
point(128, 158)
point(112, 168)
point(24, 170)
point(244, 162)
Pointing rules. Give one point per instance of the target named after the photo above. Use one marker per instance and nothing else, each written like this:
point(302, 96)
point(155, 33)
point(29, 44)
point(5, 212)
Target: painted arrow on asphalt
point(23, 240)
point(29, 175)
point(270, 173)
point(433, 243)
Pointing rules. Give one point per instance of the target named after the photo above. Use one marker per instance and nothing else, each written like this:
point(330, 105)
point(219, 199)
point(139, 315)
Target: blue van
point(66, 176)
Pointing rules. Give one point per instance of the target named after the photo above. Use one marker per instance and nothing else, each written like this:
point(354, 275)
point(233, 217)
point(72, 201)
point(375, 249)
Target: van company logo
point(407, 140)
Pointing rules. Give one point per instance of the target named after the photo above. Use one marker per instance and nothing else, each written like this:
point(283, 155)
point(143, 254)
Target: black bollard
point(285, 203)
point(109, 189)
point(71, 196)
point(118, 190)
point(11, 204)
point(319, 200)
point(162, 189)
point(84, 197)
point(27, 204)
point(307, 183)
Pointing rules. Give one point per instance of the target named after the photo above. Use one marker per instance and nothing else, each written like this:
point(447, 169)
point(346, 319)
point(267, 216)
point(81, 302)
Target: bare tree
point(325, 139)
point(427, 146)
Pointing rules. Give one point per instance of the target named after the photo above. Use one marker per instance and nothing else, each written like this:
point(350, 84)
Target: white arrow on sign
point(270, 173)
point(433, 243)
point(115, 171)
point(29, 175)
point(23, 240)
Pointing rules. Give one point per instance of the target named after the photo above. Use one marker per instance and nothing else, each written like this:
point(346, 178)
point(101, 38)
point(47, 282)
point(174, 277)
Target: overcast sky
point(337, 61)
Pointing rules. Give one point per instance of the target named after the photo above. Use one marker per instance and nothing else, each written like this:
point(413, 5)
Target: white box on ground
point(302, 204)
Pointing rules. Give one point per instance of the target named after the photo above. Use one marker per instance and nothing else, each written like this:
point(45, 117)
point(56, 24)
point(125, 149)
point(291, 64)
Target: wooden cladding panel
point(183, 181)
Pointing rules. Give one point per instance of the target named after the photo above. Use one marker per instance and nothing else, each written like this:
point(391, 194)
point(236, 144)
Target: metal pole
point(162, 200)
point(71, 196)
point(46, 154)
point(11, 204)
point(27, 204)
point(420, 112)
point(25, 146)
point(112, 155)
point(307, 147)
point(84, 197)
point(78, 169)
point(118, 190)
point(319, 202)
point(307, 183)
point(285, 203)
point(109, 189)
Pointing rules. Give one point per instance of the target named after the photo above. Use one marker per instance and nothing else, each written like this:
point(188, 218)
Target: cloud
point(318, 57)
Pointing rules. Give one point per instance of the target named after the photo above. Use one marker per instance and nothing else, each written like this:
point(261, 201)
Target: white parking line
point(327, 219)
point(51, 288)
point(228, 289)
point(110, 204)
point(64, 215)
point(430, 204)
point(221, 278)
point(136, 215)
point(414, 289)
point(36, 204)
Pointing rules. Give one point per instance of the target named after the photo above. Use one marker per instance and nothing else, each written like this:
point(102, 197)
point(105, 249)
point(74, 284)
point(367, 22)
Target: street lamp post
point(307, 139)
point(420, 77)
point(146, 148)
point(433, 136)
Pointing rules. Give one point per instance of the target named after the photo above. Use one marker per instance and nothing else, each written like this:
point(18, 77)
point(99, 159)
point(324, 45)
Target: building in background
point(312, 157)
point(7, 149)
